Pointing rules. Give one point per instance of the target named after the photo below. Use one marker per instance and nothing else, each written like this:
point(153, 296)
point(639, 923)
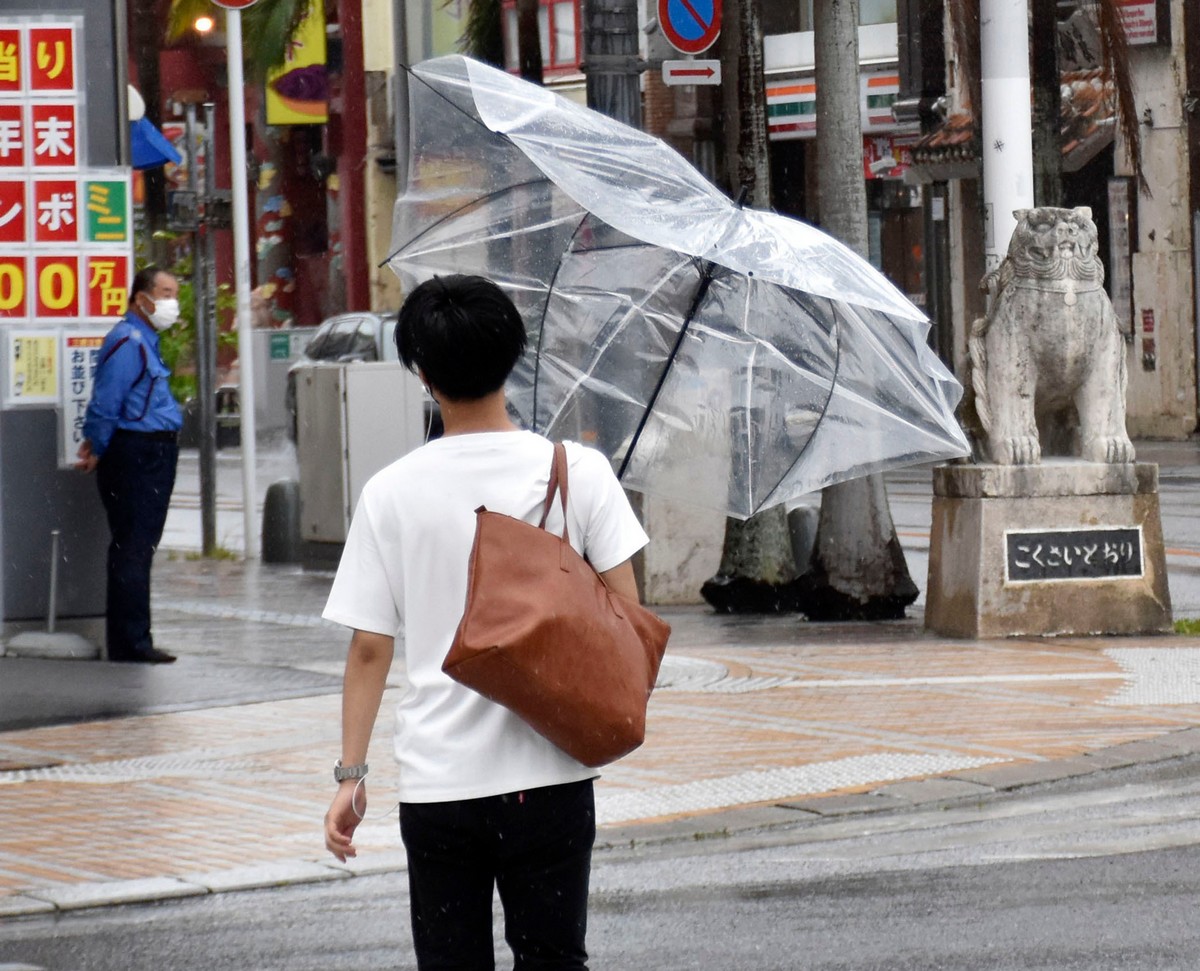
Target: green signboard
point(281, 347)
point(107, 204)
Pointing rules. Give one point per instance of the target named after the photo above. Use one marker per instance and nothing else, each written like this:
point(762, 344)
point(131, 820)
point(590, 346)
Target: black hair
point(143, 282)
point(463, 332)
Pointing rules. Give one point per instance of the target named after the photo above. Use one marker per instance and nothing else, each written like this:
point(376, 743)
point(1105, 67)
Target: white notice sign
point(691, 72)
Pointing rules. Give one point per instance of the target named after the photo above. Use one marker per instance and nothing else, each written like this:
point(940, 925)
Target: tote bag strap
point(558, 483)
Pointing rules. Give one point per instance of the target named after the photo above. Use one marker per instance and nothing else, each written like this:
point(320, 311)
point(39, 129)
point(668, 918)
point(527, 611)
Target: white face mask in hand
point(166, 313)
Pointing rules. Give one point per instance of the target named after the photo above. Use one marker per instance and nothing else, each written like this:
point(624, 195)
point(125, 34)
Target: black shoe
point(150, 655)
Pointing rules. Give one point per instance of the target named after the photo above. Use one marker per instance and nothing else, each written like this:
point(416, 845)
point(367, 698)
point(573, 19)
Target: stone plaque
point(1087, 553)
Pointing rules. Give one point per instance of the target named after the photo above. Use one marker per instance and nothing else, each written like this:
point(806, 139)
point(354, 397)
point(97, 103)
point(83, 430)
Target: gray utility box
point(275, 350)
point(351, 421)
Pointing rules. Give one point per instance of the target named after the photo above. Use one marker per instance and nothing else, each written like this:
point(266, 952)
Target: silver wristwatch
point(343, 772)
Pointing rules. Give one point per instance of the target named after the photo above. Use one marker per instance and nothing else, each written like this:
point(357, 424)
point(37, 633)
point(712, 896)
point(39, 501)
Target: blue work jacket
point(131, 388)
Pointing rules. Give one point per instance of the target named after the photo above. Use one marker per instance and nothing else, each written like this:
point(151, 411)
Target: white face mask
point(166, 313)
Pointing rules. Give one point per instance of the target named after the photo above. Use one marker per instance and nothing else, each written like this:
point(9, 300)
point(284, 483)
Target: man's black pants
point(136, 474)
point(535, 847)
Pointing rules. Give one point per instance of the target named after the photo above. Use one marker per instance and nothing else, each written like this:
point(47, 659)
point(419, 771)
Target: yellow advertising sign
point(448, 21)
point(298, 93)
point(32, 367)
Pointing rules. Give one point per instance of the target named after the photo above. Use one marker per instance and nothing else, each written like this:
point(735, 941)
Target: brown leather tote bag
point(542, 635)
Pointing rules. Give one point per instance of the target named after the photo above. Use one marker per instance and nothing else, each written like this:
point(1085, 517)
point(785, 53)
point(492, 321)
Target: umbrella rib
point(479, 201)
point(537, 367)
point(837, 363)
point(706, 279)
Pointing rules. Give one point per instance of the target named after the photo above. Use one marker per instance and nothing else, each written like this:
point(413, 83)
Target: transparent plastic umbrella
point(726, 357)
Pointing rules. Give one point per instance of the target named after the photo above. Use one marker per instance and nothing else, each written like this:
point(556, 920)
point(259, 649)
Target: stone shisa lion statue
point(1048, 360)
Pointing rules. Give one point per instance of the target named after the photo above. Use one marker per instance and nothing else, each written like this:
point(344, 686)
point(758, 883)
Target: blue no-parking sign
point(691, 26)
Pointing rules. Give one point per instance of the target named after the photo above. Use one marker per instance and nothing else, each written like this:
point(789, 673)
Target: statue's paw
point(1115, 450)
point(1017, 450)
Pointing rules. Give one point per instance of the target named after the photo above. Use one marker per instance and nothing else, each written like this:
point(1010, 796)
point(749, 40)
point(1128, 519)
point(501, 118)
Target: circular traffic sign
point(235, 4)
point(690, 26)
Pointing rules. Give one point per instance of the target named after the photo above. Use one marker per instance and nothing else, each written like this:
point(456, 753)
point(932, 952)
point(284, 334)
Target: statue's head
point(1053, 243)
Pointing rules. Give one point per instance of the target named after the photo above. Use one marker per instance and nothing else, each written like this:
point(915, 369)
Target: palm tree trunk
point(757, 568)
point(858, 569)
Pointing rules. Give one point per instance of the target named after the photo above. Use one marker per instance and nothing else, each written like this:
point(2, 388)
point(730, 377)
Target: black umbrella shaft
point(701, 292)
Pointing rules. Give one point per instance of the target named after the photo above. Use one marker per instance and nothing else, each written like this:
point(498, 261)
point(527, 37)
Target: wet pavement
point(132, 783)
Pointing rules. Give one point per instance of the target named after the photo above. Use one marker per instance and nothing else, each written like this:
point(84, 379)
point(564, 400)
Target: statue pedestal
point(1066, 547)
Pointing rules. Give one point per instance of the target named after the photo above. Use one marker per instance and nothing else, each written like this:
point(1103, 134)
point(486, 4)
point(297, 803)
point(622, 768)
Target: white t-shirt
point(404, 572)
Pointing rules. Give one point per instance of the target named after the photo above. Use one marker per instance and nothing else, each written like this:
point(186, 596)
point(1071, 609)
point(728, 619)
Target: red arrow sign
point(691, 72)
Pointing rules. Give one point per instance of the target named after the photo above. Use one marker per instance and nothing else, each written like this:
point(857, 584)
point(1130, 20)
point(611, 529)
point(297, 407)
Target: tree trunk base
point(820, 600)
point(814, 597)
point(742, 595)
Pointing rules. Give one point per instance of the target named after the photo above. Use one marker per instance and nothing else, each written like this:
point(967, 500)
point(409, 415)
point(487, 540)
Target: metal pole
point(400, 108)
point(121, 59)
point(1007, 121)
point(205, 341)
point(52, 610)
point(241, 276)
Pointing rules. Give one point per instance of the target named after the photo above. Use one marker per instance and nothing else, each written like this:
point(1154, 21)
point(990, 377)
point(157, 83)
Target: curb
point(953, 789)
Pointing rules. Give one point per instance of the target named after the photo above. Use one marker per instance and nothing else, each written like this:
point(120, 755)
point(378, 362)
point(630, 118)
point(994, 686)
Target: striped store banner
point(792, 105)
point(792, 109)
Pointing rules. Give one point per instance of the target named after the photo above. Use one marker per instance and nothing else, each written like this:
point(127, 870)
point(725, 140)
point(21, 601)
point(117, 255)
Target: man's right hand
point(87, 460)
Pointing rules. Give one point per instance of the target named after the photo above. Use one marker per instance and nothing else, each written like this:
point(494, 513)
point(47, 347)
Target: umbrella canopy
point(727, 357)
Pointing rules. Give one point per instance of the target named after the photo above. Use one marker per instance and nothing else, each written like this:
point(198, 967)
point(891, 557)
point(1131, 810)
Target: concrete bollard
point(281, 522)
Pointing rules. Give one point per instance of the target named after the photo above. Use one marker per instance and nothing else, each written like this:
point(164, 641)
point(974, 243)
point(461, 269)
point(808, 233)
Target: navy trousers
point(534, 847)
point(135, 474)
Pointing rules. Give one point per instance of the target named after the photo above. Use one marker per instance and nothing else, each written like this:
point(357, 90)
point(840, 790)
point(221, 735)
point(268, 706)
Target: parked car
point(357, 336)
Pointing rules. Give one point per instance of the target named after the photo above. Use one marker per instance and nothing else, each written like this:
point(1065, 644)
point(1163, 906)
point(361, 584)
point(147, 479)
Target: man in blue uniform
point(130, 441)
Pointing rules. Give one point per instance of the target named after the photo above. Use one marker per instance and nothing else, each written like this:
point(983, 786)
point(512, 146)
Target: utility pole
point(1007, 121)
point(1047, 99)
point(611, 61)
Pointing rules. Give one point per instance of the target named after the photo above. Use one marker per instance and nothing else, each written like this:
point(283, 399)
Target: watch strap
point(343, 772)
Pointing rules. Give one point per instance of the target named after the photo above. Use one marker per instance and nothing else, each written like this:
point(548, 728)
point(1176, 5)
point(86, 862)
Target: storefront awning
point(1087, 124)
point(150, 147)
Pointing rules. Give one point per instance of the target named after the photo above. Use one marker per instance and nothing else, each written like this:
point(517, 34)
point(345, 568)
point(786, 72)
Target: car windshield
point(351, 337)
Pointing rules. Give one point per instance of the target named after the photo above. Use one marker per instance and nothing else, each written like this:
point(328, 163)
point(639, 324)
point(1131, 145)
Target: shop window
point(558, 32)
point(780, 18)
point(870, 12)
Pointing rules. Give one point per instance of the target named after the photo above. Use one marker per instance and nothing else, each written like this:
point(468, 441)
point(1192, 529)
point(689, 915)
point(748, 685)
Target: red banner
point(57, 286)
point(14, 289)
point(12, 136)
point(13, 211)
point(55, 135)
point(10, 60)
point(56, 211)
point(107, 285)
point(52, 59)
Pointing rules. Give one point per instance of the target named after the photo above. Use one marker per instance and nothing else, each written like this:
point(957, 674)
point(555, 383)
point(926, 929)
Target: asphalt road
point(1100, 874)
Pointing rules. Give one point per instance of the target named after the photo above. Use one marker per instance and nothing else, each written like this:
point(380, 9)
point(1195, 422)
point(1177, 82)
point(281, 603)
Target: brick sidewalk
point(750, 712)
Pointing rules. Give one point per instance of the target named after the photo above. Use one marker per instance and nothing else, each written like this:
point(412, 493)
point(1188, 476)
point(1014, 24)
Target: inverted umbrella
point(727, 357)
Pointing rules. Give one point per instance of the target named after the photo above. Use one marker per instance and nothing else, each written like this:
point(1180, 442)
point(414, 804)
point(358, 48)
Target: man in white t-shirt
point(485, 801)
